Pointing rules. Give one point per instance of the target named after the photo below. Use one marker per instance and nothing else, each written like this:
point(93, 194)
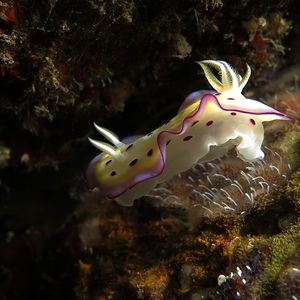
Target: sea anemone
point(224, 186)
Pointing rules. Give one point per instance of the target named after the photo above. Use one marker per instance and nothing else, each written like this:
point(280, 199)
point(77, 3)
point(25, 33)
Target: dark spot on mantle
point(133, 162)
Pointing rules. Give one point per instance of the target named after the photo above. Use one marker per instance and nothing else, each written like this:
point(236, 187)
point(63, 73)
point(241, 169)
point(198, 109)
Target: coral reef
point(65, 64)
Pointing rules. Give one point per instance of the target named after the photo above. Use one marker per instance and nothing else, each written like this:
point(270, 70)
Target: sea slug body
point(208, 123)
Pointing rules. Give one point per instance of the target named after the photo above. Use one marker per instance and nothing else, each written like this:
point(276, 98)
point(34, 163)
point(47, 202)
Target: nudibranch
point(208, 123)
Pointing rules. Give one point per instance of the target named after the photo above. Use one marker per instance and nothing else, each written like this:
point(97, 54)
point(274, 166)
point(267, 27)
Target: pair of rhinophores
point(208, 124)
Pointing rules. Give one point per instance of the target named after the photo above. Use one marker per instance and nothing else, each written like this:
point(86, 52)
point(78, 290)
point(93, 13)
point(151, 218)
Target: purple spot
point(133, 162)
point(209, 123)
point(129, 147)
point(150, 152)
point(168, 142)
point(187, 138)
point(113, 173)
point(252, 121)
point(233, 113)
point(194, 123)
point(108, 162)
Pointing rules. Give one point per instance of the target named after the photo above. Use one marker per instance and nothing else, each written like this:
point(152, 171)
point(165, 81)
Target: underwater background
point(226, 229)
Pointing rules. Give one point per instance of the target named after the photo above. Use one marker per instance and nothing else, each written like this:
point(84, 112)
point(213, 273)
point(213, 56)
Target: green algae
point(280, 249)
point(292, 190)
